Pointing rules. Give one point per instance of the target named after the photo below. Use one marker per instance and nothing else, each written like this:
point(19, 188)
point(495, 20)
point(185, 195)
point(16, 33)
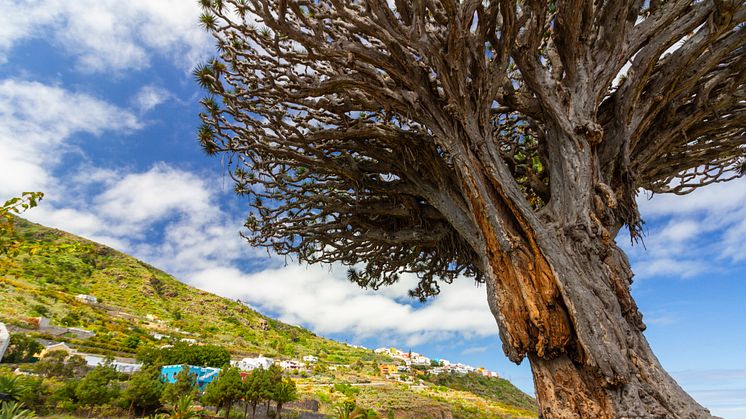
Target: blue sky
point(98, 110)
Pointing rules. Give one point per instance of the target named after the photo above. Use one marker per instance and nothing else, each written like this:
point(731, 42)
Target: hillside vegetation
point(138, 303)
point(492, 388)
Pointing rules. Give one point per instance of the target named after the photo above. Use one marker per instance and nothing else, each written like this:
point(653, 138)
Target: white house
point(460, 368)
point(56, 346)
point(310, 358)
point(291, 365)
point(420, 360)
point(120, 366)
point(4, 340)
point(436, 370)
point(88, 299)
point(488, 373)
point(248, 364)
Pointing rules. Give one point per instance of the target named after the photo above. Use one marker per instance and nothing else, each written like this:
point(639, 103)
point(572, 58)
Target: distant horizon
point(99, 110)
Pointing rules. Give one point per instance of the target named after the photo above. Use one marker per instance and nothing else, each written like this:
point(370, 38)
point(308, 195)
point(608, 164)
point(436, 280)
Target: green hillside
point(137, 303)
point(497, 389)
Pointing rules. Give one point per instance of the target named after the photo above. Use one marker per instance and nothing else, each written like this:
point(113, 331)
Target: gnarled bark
point(610, 371)
point(582, 333)
point(561, 297)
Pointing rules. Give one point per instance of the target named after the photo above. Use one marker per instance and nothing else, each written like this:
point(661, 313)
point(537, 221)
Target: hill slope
point(138, 303)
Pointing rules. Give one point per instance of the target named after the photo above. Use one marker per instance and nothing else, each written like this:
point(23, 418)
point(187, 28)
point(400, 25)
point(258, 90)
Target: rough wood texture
point(500, 140)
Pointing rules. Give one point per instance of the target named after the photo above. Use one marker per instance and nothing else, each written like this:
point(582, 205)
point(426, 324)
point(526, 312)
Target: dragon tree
point(504, 141)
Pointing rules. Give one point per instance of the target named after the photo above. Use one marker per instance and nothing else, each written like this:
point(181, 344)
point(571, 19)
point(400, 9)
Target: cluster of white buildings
point(409, 358)
point(249, 364)
point(435, 366)
point(460, 368)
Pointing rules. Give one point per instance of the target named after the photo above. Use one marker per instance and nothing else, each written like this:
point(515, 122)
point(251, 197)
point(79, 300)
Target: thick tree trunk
point(567, 389)
point(572, 315)
point(559, 287)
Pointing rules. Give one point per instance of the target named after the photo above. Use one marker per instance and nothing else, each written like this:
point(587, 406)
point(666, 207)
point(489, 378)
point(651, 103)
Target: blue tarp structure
point(204, 375)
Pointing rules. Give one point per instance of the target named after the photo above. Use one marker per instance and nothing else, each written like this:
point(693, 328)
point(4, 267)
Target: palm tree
point(10, 387)
point(349, 410)
point(14, 410)
point(363, 413)
point(183, 409)
point(342, 411)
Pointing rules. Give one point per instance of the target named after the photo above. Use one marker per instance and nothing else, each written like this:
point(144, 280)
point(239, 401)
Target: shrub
point(346, 389)
point(22, 348)
point(98, 387)
point(144, 391)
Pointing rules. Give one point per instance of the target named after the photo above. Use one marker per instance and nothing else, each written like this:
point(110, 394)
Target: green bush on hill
point(497, 389)
point(183, 353)
point(22, 348)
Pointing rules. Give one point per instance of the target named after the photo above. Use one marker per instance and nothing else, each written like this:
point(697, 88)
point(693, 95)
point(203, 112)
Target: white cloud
point(148, 97)
point(146, 198)
point(661, 318)
point(18, 21)
point(108, 35)
point(687, 233)
point(164, 215)
point(653, 265)
point(475, 350)
point(175, 210)
point(199, 241)
point(36, 123)
point(324, 300)
point(715, 198)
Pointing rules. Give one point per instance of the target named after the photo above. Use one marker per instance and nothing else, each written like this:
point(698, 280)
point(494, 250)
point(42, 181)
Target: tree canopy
point(22, 348)
point(144, 390)
point(185, 386)
point(9, 244)
point(353, 126)
point(98, 387)
point(184, 353)
point(224, 391)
